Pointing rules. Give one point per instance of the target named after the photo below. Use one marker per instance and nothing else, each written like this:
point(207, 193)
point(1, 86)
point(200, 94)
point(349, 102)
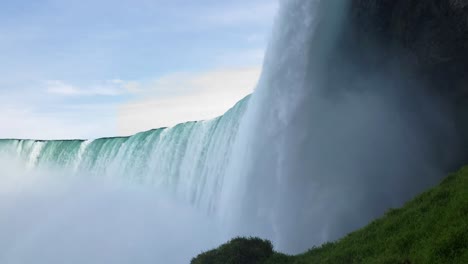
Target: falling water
point(188, 159)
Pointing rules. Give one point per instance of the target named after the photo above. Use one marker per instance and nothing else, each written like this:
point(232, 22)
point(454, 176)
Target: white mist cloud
point(49, 217)
point(184, 97)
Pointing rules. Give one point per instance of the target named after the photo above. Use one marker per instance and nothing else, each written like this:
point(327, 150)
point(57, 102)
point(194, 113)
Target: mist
point(47, 217)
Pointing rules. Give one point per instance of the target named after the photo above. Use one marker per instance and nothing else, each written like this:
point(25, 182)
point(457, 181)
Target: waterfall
point(188, 160)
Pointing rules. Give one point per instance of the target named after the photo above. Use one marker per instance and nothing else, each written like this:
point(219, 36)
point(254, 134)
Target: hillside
point(432, 228)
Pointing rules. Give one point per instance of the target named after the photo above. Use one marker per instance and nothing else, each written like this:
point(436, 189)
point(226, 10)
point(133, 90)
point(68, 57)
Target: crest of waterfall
point(187, 160)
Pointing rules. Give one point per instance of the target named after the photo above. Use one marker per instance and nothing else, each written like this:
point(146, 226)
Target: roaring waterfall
point(188, 160)
point(300, 161)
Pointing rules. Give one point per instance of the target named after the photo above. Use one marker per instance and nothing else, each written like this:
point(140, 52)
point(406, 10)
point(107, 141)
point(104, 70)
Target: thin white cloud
point(206, 95)
point(105, 88)
point(59, 87)
point(132, 86)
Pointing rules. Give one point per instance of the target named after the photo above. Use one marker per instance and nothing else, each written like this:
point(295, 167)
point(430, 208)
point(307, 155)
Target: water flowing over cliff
point(188, 159)
point(327, 142)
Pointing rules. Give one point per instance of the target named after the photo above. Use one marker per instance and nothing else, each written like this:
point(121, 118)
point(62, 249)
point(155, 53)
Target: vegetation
point(238, 250)
point(432, 228)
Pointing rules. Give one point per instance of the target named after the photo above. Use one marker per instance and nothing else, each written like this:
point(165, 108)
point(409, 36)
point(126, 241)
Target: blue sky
point(86, 69)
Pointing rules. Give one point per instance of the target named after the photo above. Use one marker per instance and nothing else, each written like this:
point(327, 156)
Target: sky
point(98, 68)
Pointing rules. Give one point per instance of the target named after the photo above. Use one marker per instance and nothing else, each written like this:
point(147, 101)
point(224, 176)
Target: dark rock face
point(414, 50)
point(433, 35)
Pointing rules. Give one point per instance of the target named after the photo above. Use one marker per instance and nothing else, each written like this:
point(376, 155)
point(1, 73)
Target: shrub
point(238, 251)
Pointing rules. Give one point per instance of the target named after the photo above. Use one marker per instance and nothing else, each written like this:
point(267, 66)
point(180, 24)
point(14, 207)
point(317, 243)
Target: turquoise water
point(188, 160)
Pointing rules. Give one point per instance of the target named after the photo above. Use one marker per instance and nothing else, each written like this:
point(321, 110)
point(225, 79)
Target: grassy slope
point(432, 228)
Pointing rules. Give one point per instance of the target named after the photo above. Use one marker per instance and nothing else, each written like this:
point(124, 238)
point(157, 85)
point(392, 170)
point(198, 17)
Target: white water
point(48, 219)
point(272, 135)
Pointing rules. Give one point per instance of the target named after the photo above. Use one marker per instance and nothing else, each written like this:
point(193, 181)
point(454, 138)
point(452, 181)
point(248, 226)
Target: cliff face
point(432, 35)
point(415, 54)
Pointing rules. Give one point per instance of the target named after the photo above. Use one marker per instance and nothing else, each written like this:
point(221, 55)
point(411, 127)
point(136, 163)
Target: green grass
point(432, 228)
